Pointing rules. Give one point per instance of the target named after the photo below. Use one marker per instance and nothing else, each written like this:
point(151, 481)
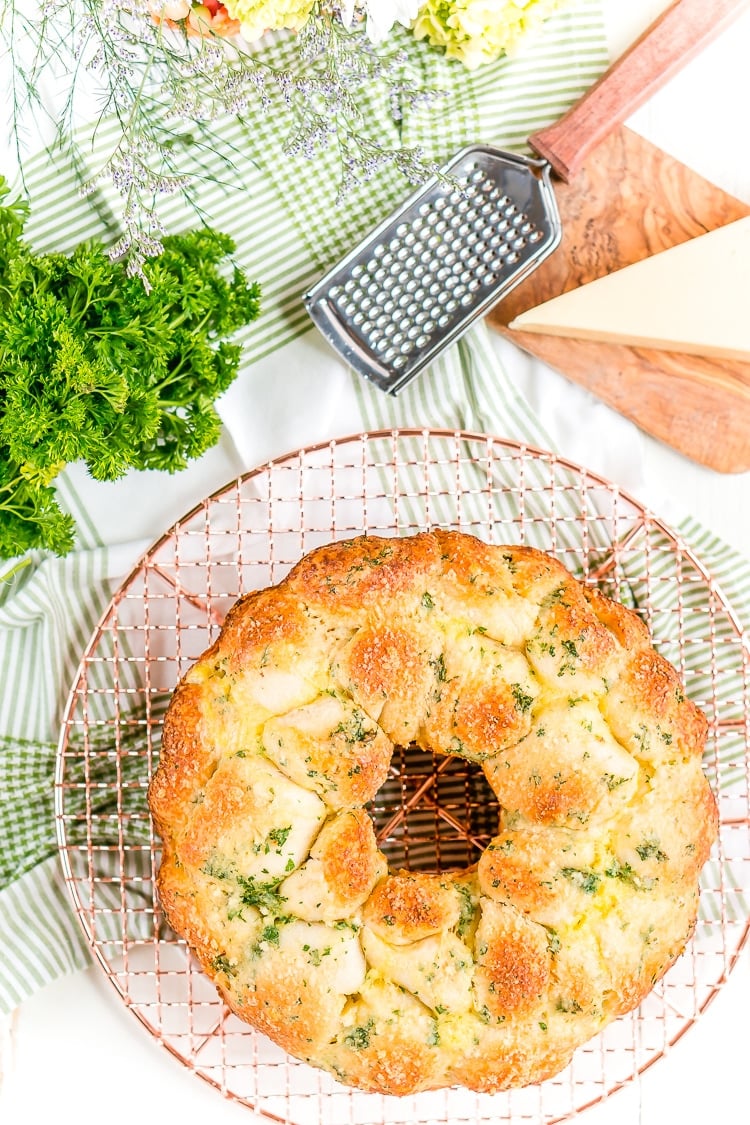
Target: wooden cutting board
point(621, 199)
point(628, 200)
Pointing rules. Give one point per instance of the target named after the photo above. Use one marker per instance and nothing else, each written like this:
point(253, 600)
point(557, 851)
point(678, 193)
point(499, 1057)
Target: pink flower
point(209, 17)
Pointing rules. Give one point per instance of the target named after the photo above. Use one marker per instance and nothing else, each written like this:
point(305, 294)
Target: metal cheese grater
point(442, 259)
point(470, 235)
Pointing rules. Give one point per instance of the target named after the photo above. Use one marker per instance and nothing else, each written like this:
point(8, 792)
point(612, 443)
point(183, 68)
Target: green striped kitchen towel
point(283, 216)
point(288, 229)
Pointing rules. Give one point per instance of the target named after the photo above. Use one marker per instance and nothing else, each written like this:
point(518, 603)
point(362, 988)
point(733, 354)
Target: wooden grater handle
point(670, 42)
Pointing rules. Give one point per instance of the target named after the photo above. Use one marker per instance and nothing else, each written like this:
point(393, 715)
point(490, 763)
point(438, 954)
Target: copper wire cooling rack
point(431, 813)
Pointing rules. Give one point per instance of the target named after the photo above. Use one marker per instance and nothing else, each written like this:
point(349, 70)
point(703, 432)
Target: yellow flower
point(479, 31)
point(259, 16)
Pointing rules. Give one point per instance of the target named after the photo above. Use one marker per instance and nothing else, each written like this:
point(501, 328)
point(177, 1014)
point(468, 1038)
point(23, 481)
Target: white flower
point(347, 12)
point(381, 15)
point(169, 9)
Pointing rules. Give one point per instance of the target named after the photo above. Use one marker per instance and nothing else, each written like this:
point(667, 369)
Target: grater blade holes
point(476, 232)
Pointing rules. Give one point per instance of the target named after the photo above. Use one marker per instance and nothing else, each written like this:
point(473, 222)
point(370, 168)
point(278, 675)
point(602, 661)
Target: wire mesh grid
point(432, 813)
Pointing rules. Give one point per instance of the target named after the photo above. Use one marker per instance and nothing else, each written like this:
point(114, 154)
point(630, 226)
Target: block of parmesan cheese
point(692, 298)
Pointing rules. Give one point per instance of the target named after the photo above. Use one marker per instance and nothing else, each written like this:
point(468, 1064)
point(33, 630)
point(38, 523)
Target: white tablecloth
point(73, 1048)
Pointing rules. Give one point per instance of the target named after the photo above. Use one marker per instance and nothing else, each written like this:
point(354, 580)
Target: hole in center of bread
point(433, 812)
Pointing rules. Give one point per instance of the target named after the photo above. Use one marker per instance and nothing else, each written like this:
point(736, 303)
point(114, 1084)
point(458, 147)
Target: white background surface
point(74, 1053)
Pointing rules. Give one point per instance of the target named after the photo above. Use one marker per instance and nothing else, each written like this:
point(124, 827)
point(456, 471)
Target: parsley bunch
point(97, 367)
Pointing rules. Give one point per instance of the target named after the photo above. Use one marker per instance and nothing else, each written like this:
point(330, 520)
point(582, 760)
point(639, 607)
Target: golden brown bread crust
point(284, 729)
